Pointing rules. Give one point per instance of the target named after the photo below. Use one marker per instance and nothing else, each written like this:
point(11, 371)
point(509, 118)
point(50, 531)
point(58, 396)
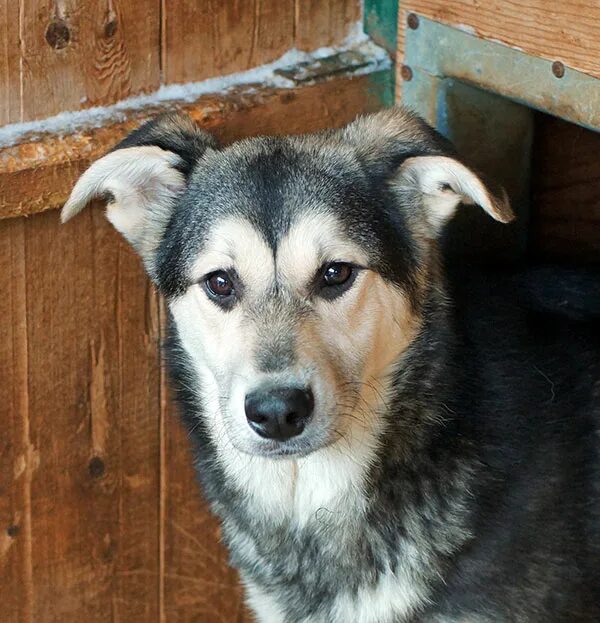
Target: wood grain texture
point(59, 55)
point(568, 31)
point(17, 456)
point(321, 23)
point(10, 59)
point(565, 192)
point(37, 175)
point(205, 38)
point(85, 459)
point(81, 53)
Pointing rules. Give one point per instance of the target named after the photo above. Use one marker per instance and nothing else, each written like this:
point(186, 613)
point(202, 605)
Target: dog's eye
point(336, 274)
point(334, 279)
point(219, 284)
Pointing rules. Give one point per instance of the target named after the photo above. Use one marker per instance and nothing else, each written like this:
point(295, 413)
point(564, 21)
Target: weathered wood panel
point(551, 29)
point(10, 83)
point(124, 408)
point(565, 192)
point(206, 38)
point(76, 54)
point(324, 22)
point(38, 175)
point(101, 516)
point(85, 461)
point(80, 53)
point(17, 456)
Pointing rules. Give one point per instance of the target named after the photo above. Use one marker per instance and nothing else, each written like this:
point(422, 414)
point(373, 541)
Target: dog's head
point(294, 268)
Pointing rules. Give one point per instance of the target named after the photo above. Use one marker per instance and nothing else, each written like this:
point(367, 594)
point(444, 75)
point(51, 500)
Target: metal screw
point(96, 467)
point(558, 69)
point(413, 21)
point(58, 34)
point(406, 73)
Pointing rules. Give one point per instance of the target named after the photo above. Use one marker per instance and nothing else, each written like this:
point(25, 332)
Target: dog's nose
point(279, 413)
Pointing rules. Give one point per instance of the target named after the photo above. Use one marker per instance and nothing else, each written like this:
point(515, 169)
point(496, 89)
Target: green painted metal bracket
point(435, 51)
point(481, 94)
point(380, 22)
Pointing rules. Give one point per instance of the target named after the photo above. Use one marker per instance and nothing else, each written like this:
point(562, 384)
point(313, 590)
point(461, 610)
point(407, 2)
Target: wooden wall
point(58, 55)
point(565, 219)
point(100, 516)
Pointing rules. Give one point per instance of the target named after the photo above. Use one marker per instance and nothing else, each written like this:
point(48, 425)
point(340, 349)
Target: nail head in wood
point(406, 73)
point(558, 69)
point(413, 21)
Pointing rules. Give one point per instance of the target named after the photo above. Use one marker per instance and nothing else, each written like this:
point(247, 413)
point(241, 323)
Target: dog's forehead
point(312, 239)
point(294, 198)
point(271, 181)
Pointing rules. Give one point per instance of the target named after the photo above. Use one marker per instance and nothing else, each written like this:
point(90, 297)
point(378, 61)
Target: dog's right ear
point(141, 179)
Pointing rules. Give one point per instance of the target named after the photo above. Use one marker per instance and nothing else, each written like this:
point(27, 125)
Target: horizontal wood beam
point(38, 173)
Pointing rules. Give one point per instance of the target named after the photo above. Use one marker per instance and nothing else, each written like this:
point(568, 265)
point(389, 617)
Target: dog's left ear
point(398, 146)
point(442, 183)
point(142, 178)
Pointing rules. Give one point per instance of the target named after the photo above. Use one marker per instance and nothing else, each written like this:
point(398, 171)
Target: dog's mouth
point(281, 450)
point(313, 438)
point(275, 449)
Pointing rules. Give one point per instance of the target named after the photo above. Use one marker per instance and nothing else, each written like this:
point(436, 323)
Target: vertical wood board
point(206, 38)
point(81, 53)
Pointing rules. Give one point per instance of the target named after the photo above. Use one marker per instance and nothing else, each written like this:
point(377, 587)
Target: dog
point(382, 442)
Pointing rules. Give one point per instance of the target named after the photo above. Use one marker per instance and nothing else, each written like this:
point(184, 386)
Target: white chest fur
point(327, 486)
point(389, 600)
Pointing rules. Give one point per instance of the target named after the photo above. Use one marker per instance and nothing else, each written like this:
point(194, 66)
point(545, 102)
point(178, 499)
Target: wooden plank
point(124, 359)
point(321, 23)
point(82, 53)
point(117, 526)
point(10, 71)
point(568, 31)
point(17, 456)
point(210, 38)
point(90, 431)
point(37, 175)
point(566, 192)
